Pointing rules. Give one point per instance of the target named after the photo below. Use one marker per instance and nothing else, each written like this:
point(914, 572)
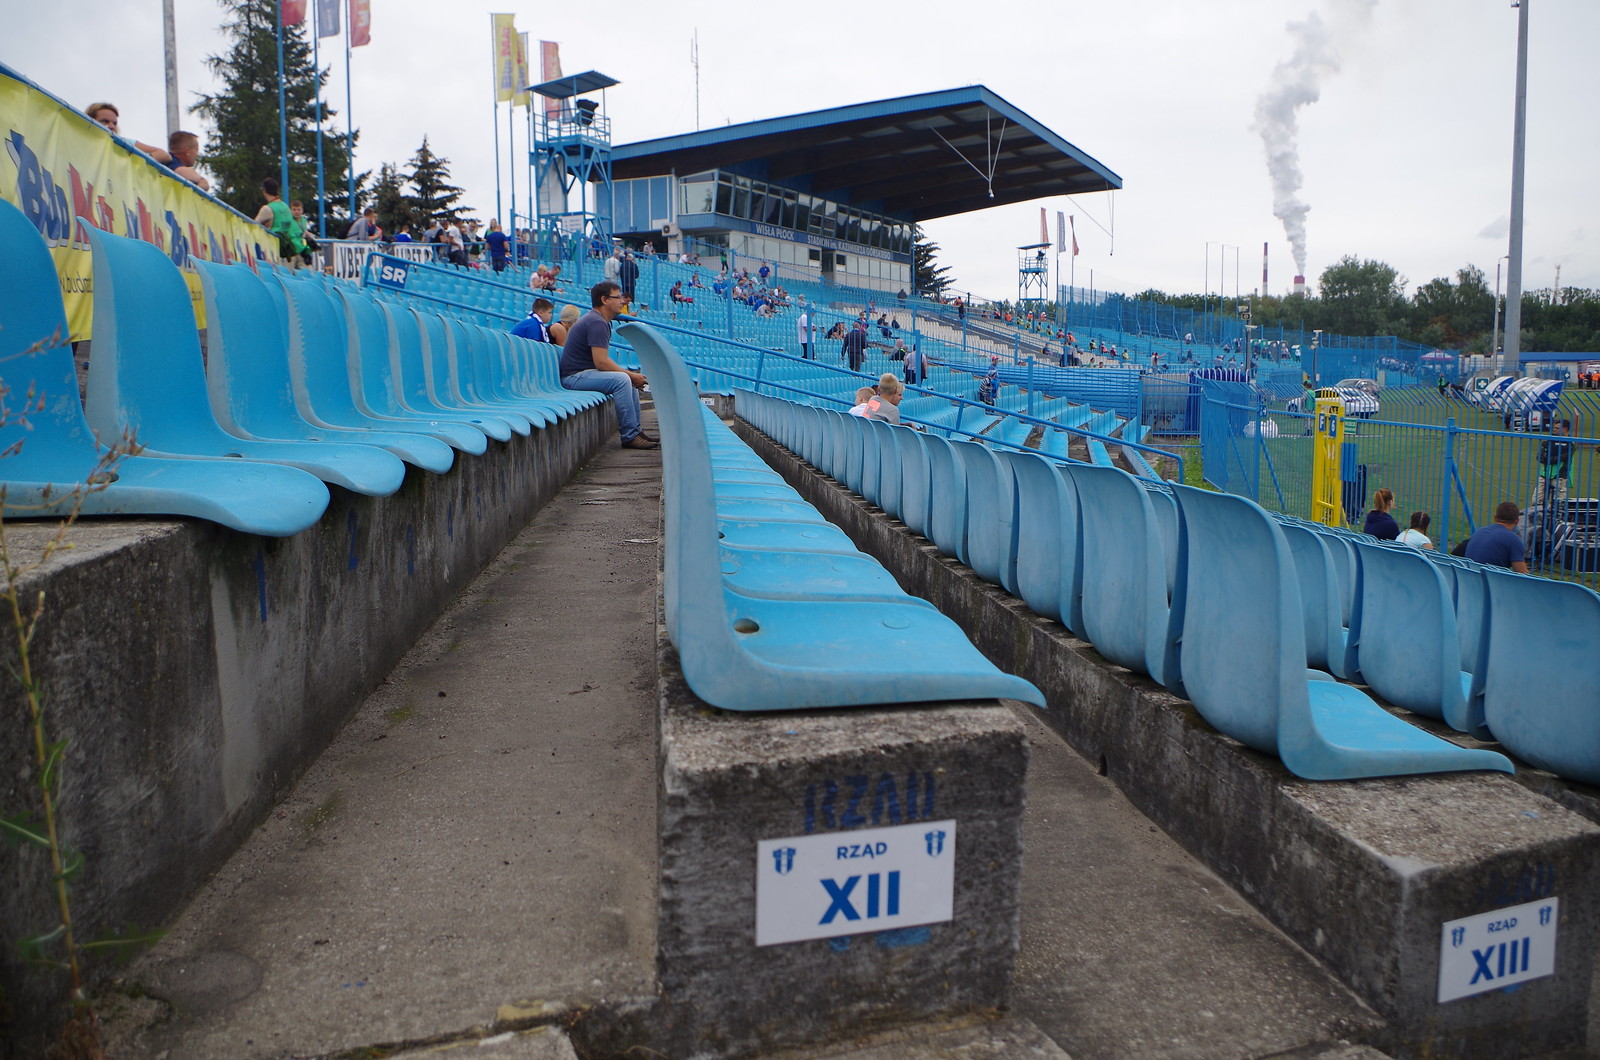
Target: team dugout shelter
point(835, 193)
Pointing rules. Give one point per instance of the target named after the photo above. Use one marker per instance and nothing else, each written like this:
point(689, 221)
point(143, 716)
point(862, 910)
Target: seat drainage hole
point(746, 625)
point(1102, 769)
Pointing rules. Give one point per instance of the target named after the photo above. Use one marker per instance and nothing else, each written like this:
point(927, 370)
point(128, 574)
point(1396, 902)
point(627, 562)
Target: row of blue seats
point(771, 607)
point(1241, 611)
point(305, 382)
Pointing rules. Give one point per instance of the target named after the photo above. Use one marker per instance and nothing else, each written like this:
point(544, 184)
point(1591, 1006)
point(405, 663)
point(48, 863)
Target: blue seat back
point(1542, 673)
point(1407, 648)
point(1127, 613)
point(1049, 551)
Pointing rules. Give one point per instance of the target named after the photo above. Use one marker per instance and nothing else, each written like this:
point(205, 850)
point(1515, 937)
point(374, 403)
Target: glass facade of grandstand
point(797, 232)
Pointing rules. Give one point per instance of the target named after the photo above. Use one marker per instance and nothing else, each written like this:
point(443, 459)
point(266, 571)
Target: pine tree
point(244, 145)
point(394, 206)
point(930, 278)
point(435, 198)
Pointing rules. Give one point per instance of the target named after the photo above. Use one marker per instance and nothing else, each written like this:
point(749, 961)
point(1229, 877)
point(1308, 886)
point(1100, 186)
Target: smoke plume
point(1295, 83)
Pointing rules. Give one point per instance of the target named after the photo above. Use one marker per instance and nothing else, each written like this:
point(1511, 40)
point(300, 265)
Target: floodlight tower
point(572, 149)
point(1033, 277)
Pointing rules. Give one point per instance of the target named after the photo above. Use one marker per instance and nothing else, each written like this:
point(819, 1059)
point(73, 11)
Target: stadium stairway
point(472, 861)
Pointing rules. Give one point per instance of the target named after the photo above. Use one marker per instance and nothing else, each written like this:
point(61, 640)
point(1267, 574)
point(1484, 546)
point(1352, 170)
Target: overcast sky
point(1405, 156)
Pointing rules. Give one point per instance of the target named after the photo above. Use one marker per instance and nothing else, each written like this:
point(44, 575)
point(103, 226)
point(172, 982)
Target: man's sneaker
point(639, 441)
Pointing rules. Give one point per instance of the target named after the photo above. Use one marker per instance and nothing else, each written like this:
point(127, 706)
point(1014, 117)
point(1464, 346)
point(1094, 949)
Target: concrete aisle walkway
point(483, 835)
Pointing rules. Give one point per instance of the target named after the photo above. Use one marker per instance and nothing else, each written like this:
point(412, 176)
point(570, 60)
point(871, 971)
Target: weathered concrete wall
point(196, 672)
point(730, 780)
point(1362, 874)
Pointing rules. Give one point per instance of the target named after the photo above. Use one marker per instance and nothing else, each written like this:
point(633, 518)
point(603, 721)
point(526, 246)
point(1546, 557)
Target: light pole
point(1316, 343)
point(1494, 336)
point(1519, 142)
point(1205, 298)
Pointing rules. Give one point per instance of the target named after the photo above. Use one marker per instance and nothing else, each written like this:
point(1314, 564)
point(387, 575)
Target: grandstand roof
point(914, 157)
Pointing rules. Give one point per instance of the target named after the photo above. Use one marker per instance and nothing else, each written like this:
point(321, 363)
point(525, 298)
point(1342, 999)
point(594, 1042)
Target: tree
point(1452, 314)
point(1362, 298)
point(927, 276)
point(435, 197)
point(244, 115)
point(394, 206)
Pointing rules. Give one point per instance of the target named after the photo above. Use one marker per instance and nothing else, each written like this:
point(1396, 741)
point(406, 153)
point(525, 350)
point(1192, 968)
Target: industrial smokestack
point(1265, 290)
point(1299, 285)
point(1296, 82)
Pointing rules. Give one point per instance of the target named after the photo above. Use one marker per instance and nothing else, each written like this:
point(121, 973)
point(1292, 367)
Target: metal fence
point(1436, 453)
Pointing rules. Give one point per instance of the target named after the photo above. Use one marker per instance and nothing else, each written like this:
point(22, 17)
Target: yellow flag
point(505, 55)
point(521, 96)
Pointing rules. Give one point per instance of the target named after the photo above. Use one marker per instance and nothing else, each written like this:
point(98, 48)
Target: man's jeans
point(620, 386)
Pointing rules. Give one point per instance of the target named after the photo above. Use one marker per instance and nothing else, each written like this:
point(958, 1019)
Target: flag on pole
point(1044, 227)
point(327, 18)
point(549, 70)
point(521, 96)
point(1061, 232)
point(505, 55)
point(1072, 223)
point(293, 11)
point(360, 23)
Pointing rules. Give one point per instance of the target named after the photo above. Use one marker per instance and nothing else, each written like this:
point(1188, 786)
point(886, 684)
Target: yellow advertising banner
point(504, 29)
point(65, 172)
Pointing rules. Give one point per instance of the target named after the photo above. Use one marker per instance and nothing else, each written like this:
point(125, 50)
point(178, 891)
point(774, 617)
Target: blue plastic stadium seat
point(146, 376)
point(1326, 636)
point(415, 377)
point(947, 493)
point(53, 453)
point(1244, 658)
point(375, 388)
point(1049, 551)
point(248, 372)
point(1127, 613)
point(1542, 672)
point(991, 506)
point(744, 652)
point(1407, 648)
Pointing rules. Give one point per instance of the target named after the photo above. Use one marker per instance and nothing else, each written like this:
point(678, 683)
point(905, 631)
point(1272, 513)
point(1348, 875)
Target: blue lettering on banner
point(847, 803)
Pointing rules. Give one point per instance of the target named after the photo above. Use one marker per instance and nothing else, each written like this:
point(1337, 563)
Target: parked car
point(1359, 401)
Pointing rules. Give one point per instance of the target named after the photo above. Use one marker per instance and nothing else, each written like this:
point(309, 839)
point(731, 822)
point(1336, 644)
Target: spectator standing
point(365, 227)
point(183, 151)
point(914, 366)
point(1416, 535)
point(297, 211)
point(455, 244)
point(1380, 524)
point(499, 246)
point(1497, 544)
point(802, 328)
point(613, 268)
point(107, 115)
point(854, 349)
point(276, 218)
point(404, 235)
point(1555, 466)
point(989, 388)
point(628, 276)
point(586, 363)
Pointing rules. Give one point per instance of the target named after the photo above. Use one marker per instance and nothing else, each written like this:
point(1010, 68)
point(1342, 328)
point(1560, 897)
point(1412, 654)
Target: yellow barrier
point(1328, 448)
point(58, 166)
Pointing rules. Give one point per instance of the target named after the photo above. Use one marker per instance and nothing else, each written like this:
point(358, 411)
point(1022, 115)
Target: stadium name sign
point(774, 232)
